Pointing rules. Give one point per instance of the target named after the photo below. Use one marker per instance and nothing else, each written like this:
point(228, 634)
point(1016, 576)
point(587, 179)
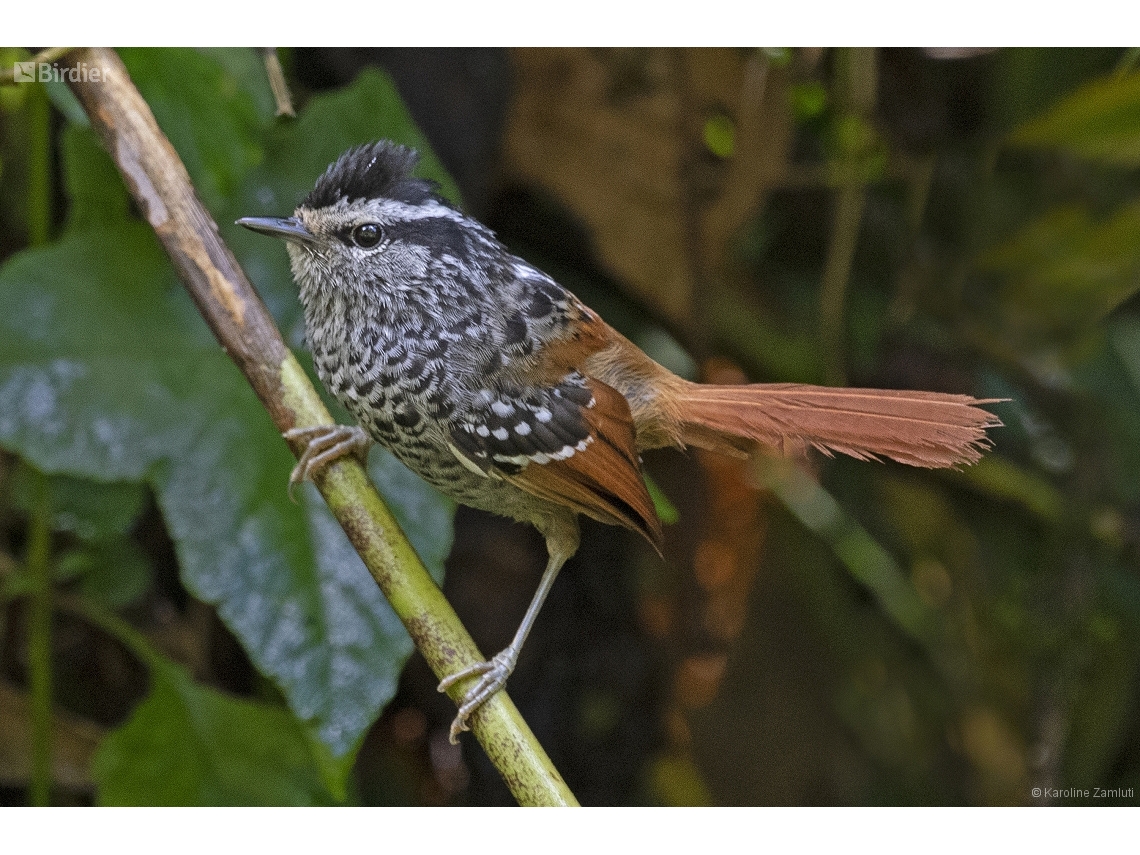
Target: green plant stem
point(865, 559)
point(919, 180)
point(115, 627)
point(855, 84)
point(160, 185)
point(39, 640)
point(39, 165)
point(836, 273)
point(39, 530)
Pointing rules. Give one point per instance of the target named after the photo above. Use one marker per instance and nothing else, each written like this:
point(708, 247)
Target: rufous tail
point(929, 429)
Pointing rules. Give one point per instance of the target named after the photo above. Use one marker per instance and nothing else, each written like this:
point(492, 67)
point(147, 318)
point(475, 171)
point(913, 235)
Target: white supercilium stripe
point(394, 210)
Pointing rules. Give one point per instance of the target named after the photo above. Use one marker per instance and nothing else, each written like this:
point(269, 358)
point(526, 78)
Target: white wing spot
point(517, 459)
point(466, 461)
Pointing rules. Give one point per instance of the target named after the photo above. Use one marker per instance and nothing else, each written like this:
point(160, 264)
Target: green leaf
point(1007, 481)
point(246, 68)
point(88, 509)
point(1099, 121)
point(95, 400)
point(677, 782)
point(808, 100)
point(666, 511)
point(108, 372)
point(720, 135)
point(64, 100)
point(1126, 340)
point(1102, 710)
point(12, 97)
point(98, 196)
point(207, 113)
point(114, 573)
point(1066, 271)
point(190, 745)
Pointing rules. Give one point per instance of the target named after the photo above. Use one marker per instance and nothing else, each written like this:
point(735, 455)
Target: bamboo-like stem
point(161, 187)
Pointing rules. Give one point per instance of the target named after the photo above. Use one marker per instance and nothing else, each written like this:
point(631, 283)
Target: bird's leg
point(323, 445)
point(494, 673)
point(561, 543)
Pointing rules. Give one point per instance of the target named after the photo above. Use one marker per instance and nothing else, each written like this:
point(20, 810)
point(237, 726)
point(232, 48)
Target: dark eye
point(367, 235)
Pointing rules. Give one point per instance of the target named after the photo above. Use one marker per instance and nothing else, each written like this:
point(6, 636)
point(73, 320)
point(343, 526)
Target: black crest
point(371, 171)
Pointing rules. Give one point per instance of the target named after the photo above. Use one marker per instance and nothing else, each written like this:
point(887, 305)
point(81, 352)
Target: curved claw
point(493, 677)
point(323, 445)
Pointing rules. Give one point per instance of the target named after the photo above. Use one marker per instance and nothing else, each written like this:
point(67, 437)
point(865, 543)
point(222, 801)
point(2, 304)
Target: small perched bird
point(506, 392)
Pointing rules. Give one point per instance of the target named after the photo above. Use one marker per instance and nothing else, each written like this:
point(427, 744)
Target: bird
point(506, 392)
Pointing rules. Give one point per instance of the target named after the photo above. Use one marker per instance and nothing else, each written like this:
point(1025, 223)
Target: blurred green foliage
point(1003, 650)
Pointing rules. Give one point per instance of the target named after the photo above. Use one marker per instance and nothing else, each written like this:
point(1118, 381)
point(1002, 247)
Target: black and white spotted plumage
point(507, 432)
point(428, 338)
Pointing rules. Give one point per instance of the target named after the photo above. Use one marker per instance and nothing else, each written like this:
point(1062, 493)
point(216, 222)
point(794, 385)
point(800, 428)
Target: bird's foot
point(323, 445)
point(492, 677)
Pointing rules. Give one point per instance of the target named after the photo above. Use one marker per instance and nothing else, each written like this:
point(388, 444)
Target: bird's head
point(368, 223)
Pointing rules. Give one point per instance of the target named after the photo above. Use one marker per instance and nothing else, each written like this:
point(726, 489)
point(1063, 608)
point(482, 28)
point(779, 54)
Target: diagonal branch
point(160, 185)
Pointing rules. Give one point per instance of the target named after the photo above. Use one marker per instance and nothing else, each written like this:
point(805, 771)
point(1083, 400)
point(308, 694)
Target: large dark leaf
point(187, 745)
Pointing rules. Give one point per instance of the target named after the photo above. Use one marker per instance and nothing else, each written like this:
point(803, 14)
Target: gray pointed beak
point(289, 228)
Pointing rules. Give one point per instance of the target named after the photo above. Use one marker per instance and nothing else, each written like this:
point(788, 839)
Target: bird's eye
point(367, 235)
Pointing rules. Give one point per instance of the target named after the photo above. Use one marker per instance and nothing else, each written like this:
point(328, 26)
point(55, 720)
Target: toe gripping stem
point(492, 678)
point(323, 445)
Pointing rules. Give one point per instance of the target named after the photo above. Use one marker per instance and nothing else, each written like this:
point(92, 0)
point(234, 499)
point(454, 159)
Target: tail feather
point(929, 429)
